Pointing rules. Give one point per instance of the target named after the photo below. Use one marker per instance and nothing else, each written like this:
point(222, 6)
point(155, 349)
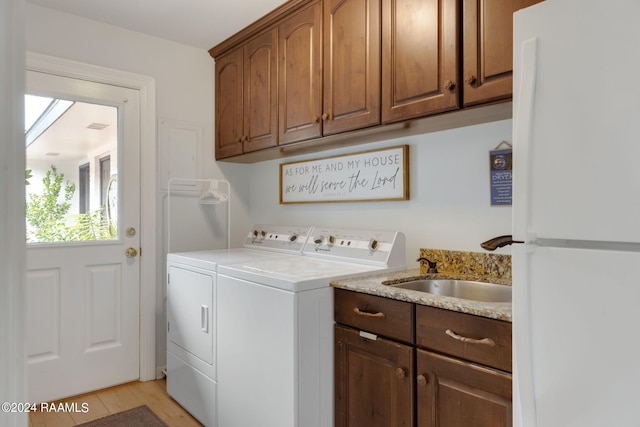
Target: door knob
point(131, 253)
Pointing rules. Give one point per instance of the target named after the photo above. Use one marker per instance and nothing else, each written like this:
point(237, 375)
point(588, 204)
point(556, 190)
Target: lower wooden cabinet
point(451, 370)
point(453, 393)
point(374, 381)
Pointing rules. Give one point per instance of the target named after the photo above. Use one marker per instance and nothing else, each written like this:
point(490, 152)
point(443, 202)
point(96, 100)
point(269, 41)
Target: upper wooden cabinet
point(246, 97)
point(261, 92)
point(351, 65)
point(315, 68)
point(488, 48)
point(419, 57)
point(229, 122)
point(300, 75)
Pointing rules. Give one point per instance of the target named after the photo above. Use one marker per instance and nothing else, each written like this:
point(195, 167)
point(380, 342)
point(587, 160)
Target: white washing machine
point(191, 312)
point(275, 327)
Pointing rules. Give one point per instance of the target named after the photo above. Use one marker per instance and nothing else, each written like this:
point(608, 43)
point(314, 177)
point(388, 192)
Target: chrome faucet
point(498, 242)
point(432, 264)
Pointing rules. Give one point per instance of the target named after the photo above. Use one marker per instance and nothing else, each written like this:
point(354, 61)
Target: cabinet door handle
point(422, 380)
point(470, 79)
point(326, 116)
point(366, 313)
point(449, 85)
point(400, 373)
point(483, 341)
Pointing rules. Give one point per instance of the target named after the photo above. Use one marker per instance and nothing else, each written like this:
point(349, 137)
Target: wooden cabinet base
point(373, 381)
point(454, 393)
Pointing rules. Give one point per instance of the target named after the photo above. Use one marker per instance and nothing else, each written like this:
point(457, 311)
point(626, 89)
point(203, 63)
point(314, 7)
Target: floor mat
point(141, 416)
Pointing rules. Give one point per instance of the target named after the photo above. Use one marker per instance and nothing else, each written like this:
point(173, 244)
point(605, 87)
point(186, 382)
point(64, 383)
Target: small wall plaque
point(501, 175)
point(375, 175)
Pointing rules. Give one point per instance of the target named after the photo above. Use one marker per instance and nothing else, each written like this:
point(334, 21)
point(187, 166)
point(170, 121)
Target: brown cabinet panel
point(419, 57)
point(300, 75)
point(383, 316)
point(261, 92)
point(453, 393)
point(351, 64)
point(373, 381)
point(488, 48)
point(474, 338)
point(229, 107)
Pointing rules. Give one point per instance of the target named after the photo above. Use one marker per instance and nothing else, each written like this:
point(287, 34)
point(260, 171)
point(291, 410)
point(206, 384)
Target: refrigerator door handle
point(522, 138)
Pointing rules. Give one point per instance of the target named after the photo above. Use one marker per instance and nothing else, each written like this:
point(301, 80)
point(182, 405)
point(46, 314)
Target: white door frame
point(146, 86)
point(13, 362)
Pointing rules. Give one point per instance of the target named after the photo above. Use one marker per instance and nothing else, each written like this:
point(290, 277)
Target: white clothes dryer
point(191, 312)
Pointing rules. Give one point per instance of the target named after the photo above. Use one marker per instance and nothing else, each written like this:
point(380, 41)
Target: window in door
point(71, 148)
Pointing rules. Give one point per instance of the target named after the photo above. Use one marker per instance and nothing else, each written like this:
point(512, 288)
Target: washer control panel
point(356, 245)
point(277, 237)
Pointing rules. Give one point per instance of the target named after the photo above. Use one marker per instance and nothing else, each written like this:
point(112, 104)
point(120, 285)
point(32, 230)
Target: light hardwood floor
point(117, 399)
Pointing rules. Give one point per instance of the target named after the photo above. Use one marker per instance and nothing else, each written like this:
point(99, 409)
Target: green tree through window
point(49, 220)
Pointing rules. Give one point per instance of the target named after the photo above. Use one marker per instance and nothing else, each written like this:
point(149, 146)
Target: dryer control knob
point(373, 244)
point(318, 240)
point(331, 240)
point(293, 237)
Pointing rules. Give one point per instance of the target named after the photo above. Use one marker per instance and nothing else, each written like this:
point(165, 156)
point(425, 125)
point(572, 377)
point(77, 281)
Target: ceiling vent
point(97, 126)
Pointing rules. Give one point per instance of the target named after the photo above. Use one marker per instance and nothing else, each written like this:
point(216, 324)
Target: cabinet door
point(419, 57)
point(373, 381)
point(488, 48)
point(454, 393)
point(300, 76)
point(351, 65)
point(229, 104)
point(261, 92)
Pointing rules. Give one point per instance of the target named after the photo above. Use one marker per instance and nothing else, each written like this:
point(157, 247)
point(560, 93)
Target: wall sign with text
point(374, 175)
point(501, 177)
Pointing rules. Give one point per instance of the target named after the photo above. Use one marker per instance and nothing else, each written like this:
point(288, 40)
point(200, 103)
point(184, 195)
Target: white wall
point(449, 207)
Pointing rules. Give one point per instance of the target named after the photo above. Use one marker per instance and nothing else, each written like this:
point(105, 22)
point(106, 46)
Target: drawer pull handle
point(400, 373)
point(483, 341)
point(366, 313)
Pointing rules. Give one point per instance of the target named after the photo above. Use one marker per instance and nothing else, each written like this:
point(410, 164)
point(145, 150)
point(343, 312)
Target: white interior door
point(83, 289)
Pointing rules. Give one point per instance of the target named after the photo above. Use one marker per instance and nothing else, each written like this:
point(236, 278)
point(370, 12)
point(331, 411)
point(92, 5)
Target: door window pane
point(71, 158)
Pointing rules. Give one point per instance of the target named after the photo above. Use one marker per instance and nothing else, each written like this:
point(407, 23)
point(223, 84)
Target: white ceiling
point(72, 137)
point(198, 23)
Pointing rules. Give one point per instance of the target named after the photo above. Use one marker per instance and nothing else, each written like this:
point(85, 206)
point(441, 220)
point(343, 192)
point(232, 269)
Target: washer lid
point(296, 274)
point(210, 260)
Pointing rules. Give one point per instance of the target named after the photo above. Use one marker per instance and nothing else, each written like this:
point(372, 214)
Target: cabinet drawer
point(477, 339)
point(381, 316)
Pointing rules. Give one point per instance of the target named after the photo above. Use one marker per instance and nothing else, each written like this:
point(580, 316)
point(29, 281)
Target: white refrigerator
point(576, 205)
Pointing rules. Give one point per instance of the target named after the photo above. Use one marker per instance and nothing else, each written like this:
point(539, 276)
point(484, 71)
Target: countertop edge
point(373, 285)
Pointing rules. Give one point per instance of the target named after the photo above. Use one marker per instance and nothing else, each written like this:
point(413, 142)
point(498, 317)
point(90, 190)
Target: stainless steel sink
point(465, 289)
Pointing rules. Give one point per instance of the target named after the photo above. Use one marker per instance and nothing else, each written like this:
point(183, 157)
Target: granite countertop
point(373, 285)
